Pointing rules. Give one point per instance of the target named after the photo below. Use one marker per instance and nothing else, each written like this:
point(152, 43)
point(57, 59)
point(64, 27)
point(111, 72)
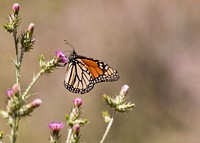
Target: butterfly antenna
point(67, 43)
point(65, 51)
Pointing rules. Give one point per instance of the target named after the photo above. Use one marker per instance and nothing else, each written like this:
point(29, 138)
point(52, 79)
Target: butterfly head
point(73, 55)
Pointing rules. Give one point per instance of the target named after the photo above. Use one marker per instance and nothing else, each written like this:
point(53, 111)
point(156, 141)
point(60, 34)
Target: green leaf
point(106, 116)
point(125, 107)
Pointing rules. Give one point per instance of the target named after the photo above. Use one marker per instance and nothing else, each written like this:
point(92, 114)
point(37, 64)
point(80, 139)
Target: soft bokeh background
point(153, 44)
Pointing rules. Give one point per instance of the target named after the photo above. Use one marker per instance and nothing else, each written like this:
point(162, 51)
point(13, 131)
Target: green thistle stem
point(35, 78)
point(108, 127)
point(17, 58)
point(21, 57)
point(14, 129)
point(16, 42)
point(69, 135)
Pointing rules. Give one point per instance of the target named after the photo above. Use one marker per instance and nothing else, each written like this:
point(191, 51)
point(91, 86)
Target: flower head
point(16, 8)
point(36, 103)
point(124, 90)
point(61, 57)
point(56, 126)
point(77, 102)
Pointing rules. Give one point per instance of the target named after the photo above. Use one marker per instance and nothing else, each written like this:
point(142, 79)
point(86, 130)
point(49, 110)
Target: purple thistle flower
point(15, 8)
point(77, 102)
point(56, 126)
point(10, 92)
point(61, 57)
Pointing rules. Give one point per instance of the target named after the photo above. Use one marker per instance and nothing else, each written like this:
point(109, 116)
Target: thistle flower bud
point(31, 27)
point(10, 92)
point(36, 103)
point(77, 102)
point(13, 91)
point(15, 8)
point(29, 108)
point(124, 90)
point(15, 88)
point(76, 129)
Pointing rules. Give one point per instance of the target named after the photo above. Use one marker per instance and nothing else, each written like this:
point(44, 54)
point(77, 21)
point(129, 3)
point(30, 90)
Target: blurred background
point(153, 44)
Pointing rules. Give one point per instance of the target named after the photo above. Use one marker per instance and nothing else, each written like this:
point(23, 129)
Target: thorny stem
point(21, 57)
point(15, 120)
point(35, 78)
point(18, 62)
point(17, 57)
point(69, 135)
point(15, 41)
point(108, 127)
point(14, 129)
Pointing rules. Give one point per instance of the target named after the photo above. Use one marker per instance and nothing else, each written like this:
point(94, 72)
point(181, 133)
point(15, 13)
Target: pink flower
point(56, 126)
point(76, 129)
point(61, 57)
point(77, 102)
point(36, 103)
point(124, 90)
point(10, 92)
point(31, 27)
point(15, 88)
point(16, 8)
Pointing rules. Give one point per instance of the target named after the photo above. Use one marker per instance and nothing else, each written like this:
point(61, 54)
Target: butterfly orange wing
point(82, 73)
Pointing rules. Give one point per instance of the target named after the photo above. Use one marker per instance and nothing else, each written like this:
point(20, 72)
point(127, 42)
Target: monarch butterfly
point(83, 73)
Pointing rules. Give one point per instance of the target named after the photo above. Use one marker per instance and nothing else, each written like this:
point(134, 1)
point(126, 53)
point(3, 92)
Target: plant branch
point(16, 44)
point(69, 135)
point(108, 127)
point(14, 129)
point(17, 57)
point(35, 78)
